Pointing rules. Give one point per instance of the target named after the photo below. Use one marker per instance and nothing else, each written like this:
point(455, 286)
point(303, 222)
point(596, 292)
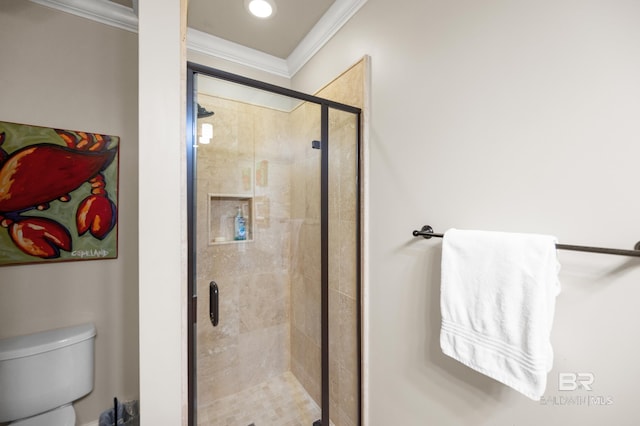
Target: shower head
point(202, 112)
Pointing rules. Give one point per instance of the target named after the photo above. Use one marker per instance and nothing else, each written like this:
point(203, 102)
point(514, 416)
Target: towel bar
point(427, 232)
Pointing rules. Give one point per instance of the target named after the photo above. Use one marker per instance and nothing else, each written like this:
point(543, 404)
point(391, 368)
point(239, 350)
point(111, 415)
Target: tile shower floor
point(280, 401)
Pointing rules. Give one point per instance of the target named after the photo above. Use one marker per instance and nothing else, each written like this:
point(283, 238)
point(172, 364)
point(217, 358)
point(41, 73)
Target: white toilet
point(41, 374)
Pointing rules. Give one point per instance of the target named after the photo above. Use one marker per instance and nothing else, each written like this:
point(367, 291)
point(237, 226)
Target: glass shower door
point(261, 363)
point(343, 268)
point(274, 259)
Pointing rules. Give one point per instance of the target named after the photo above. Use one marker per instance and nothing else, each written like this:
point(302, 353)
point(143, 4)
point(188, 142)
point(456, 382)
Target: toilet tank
point(42, 371)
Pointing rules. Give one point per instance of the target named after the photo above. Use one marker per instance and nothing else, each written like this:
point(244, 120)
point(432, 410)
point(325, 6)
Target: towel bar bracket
point(427, 232)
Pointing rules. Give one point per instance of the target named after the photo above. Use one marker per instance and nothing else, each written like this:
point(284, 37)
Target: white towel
point(498, 301)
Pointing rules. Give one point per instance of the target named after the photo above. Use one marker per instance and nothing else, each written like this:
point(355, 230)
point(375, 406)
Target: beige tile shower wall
point(343, 369)
point(251, 342)
point(343, 156)
point(271, 288)
point(305, 283)
point(305, 251)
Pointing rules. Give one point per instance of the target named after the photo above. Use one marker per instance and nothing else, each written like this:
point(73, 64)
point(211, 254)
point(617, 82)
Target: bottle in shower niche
point(240, 228)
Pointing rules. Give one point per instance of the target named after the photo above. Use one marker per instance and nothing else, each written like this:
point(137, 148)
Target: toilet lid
point(62, 416)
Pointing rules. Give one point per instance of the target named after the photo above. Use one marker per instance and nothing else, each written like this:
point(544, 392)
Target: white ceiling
point(277, 36)
point(279, 45)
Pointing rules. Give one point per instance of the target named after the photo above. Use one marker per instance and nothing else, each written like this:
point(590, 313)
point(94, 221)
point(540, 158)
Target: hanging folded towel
point(498, 301)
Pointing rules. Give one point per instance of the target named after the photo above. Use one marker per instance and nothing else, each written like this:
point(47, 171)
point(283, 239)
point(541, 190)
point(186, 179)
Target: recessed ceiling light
point(261, 8)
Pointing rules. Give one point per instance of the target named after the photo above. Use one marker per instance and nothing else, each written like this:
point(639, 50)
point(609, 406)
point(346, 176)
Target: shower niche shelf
point(222, 210)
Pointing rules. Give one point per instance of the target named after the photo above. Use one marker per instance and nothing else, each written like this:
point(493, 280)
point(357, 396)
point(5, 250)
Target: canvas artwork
point(58, 195)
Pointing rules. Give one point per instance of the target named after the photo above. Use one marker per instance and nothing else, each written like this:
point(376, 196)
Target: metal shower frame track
point(192, 71)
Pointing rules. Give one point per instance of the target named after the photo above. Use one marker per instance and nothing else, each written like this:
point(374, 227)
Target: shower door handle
point(213, 303)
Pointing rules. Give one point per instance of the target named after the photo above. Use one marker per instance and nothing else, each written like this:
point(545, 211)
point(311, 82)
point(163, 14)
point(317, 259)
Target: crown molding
point(103, 11)
point(125, 18)
point(208, 44)
point(333, 19)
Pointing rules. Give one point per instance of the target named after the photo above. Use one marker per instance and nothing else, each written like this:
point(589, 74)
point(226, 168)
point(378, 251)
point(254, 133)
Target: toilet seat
point(61, 416)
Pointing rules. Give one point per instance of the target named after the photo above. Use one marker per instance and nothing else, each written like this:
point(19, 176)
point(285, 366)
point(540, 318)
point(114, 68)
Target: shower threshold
point(279, 401)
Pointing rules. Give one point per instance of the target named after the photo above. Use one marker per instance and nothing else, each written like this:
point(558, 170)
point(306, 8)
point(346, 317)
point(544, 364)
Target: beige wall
point(512, 116)
point(490, 93)
point(64, 71)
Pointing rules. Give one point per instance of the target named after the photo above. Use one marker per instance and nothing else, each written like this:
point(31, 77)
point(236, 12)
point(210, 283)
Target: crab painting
point(52, 166)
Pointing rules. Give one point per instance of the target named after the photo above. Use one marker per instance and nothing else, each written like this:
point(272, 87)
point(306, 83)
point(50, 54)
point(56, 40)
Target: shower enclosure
point(275, 306)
